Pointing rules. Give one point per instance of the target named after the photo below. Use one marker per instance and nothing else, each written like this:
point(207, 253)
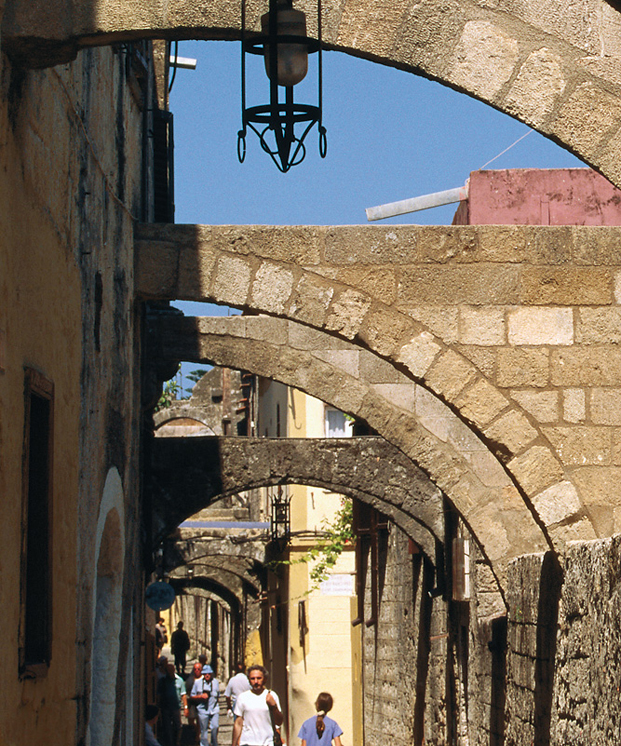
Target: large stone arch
point(556, 71)
point(316, 276)
point(239, 584)
point(504, 527)
point(189, 474)
point(211, 585)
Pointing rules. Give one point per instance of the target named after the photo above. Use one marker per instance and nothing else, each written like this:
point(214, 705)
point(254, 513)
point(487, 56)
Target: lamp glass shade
point(292, 58)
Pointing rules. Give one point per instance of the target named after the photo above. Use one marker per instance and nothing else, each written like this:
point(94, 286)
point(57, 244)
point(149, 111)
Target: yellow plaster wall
point(58, 165)
point(40, 319)
point(325, 661)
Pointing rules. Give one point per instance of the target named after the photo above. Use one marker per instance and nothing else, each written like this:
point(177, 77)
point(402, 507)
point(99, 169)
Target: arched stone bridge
point(444, 447)
point(525, 322)
point(557, 68)
point(190, 473)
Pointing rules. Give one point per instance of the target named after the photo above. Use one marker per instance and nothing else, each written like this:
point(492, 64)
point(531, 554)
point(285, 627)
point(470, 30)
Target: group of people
point(258, 716)
point(256, 709)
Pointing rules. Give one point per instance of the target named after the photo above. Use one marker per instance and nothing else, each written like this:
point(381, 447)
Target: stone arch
point(229, 569)
point(492, 507)
point(170, 414)
point(251, 552)
point(107, 603)
point(557, 73)
point(230, 264)
point(203, 470)
point(211, 585)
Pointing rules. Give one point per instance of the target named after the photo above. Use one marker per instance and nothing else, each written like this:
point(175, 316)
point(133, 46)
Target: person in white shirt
point(257, 712)
point(237, 684)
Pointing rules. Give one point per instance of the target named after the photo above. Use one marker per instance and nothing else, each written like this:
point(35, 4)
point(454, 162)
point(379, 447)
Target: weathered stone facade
point(555, 68)
point(190, 476)
point(506, 336)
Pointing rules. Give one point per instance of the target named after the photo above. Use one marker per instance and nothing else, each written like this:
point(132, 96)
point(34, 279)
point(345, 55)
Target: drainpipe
point(415, 204)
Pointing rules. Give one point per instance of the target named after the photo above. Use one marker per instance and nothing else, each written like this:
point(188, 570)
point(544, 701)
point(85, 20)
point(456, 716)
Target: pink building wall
point(532, 196)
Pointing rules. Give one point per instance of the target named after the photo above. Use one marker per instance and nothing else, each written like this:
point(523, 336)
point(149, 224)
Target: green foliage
point(337, 534)
point(195, 376)
point(169, 394)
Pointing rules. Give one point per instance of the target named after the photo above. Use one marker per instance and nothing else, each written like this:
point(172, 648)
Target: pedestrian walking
point(321, 730)
point(191, 713)
point(151, 715)
point(161, 635)
point(237, 684)
point(179, 646)
point(205, 694)
point(257, 712)
point(172, 699)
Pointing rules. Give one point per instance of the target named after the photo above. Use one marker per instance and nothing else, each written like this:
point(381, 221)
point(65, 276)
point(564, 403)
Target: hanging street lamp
point(285, 47)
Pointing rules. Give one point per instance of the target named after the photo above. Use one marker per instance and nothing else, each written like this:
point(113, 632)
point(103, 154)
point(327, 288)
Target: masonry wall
point(565, 648)
point(405, 653)
point(72, 182)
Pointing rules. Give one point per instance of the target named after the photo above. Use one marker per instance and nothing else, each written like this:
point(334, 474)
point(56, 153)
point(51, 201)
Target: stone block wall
point(533, 607)
point(564, 647)
point(587, 686)
point(404, 653)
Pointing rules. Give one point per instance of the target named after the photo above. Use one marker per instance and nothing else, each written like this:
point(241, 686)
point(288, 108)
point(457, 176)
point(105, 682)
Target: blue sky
point(391, 135)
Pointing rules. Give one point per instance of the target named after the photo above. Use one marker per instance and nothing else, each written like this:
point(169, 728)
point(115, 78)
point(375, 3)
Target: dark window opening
point(36, 600)
point(163, 167)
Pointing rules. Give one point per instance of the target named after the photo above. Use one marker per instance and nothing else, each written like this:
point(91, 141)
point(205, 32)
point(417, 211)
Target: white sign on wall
point(339, 584)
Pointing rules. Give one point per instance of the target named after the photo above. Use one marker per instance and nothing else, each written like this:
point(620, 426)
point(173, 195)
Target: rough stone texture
point(405, 652)
point(458, 462)
point(512, 431)
point(537, 87)
point(272, 288)
point(484, 58)
point(542, 350)
point(425, 657)
point(190, 473)
point(601, 109)
point(558, 503)
point(574, 405)
point(566, 286)
point(586, 366)
point(481, 403)
point(586, 707)
point(542, 405)
point(523, 367)
point(599, 326)
point(531, 638)
point(419, 354)
point(605, 407)
point(536, 469)
point(484, 326)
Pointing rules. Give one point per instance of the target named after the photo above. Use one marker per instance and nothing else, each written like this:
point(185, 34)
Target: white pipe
point(187, 63)
point(414, 204)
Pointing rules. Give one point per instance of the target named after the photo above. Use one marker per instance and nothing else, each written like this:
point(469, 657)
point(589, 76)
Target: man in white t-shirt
point(257, 711)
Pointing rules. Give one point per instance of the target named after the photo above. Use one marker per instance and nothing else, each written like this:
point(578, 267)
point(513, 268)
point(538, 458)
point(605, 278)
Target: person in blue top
point(204, 695)
point(321, 730)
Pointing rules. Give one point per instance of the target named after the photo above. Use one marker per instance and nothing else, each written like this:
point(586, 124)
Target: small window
point(337, 424)
point(36, 571)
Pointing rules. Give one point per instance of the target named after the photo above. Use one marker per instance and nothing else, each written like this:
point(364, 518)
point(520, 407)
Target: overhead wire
point(506, 149)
